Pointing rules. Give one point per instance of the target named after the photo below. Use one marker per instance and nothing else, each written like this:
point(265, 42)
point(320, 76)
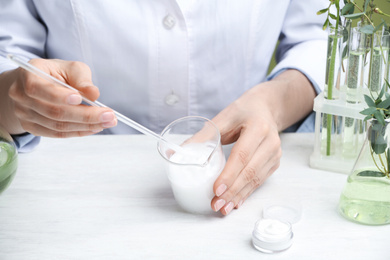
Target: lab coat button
point(171, 99)
point(169, 22)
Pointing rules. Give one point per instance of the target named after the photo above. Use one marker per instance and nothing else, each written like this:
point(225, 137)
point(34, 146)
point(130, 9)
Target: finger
point(256, 171)
point(76, 74)
point(79, 75)
point(35, 87)
point(59, 126)
point(248, 189)
point(239, 157)
point(77, 114)
point(39, 130)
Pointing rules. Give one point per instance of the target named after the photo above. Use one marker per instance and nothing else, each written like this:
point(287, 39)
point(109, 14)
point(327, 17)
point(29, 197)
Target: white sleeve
point(21, 31)
point(303, 42)
point(26, 143)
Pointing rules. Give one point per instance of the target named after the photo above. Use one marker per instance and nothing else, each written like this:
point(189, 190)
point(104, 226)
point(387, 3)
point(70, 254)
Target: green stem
point(382, 162)
point(387, 160)
point(368, 18)
point(373, 159)
point(330, 84)
point(328, 133)
point(331, 67)
point(370, 65)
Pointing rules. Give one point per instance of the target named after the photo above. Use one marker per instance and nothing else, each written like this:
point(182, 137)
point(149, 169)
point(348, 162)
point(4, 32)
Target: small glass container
point(273, 232)
point(272, 235)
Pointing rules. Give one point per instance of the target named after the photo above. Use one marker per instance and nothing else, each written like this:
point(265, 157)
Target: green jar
point(8, 160)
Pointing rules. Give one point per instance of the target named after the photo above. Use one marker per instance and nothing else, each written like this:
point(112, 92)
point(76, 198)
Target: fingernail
point(219, 204)
point(74, 99)
point(109, 124)
point(220, 190)
point(97, 131)
point(239, 204)
point(229, 207)
point(107, 117)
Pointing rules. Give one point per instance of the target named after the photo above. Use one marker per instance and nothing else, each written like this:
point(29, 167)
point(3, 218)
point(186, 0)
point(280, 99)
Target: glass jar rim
point(200, 118)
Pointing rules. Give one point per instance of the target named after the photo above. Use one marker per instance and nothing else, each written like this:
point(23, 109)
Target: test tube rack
point(346, 142)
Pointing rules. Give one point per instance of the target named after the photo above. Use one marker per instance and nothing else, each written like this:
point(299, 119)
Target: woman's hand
point(254, 121)
point(45, 109)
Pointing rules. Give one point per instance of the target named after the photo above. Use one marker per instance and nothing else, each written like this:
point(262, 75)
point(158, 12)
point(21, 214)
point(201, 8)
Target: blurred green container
point(8, 160)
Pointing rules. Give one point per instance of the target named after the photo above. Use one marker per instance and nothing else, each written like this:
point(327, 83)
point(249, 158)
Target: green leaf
point(369, 101)
point(367, 118)
point(333, 16)
point(379, 117)
point(376, 137)
point(322, 11)
point(354, 16)
point(381, 93)
point(352, 10)
point(371, 174)
point(379, 27)
point(388, 87)
point(384, 104)
point(368, 111)
point(325, 24)
point(345, 53)
point(368, 29)
point(382, 113)
point(345, 37)
point(347, 9)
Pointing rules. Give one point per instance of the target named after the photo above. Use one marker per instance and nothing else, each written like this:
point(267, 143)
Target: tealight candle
point(272, 235)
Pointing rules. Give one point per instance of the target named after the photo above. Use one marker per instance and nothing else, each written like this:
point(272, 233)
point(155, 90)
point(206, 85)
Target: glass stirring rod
point(27, 66)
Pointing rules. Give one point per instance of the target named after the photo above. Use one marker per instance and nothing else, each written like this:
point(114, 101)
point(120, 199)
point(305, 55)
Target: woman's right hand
point(44, 109)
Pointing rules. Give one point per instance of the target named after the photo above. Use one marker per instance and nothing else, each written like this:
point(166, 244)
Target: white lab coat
point(158, 60)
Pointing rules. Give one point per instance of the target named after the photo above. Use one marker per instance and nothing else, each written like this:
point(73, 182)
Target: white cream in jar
point(272, 235)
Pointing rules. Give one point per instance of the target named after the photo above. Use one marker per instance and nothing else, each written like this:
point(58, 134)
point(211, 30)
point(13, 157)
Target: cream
point(272, 235)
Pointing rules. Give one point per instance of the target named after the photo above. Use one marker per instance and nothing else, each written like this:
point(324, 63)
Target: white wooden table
point(107, 197)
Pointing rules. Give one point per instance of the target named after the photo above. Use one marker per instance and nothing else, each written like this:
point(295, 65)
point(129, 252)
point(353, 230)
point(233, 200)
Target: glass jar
point(8, 160)
point(192, 169)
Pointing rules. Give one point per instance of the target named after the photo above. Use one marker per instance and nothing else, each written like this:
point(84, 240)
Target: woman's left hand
point(253, 121)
